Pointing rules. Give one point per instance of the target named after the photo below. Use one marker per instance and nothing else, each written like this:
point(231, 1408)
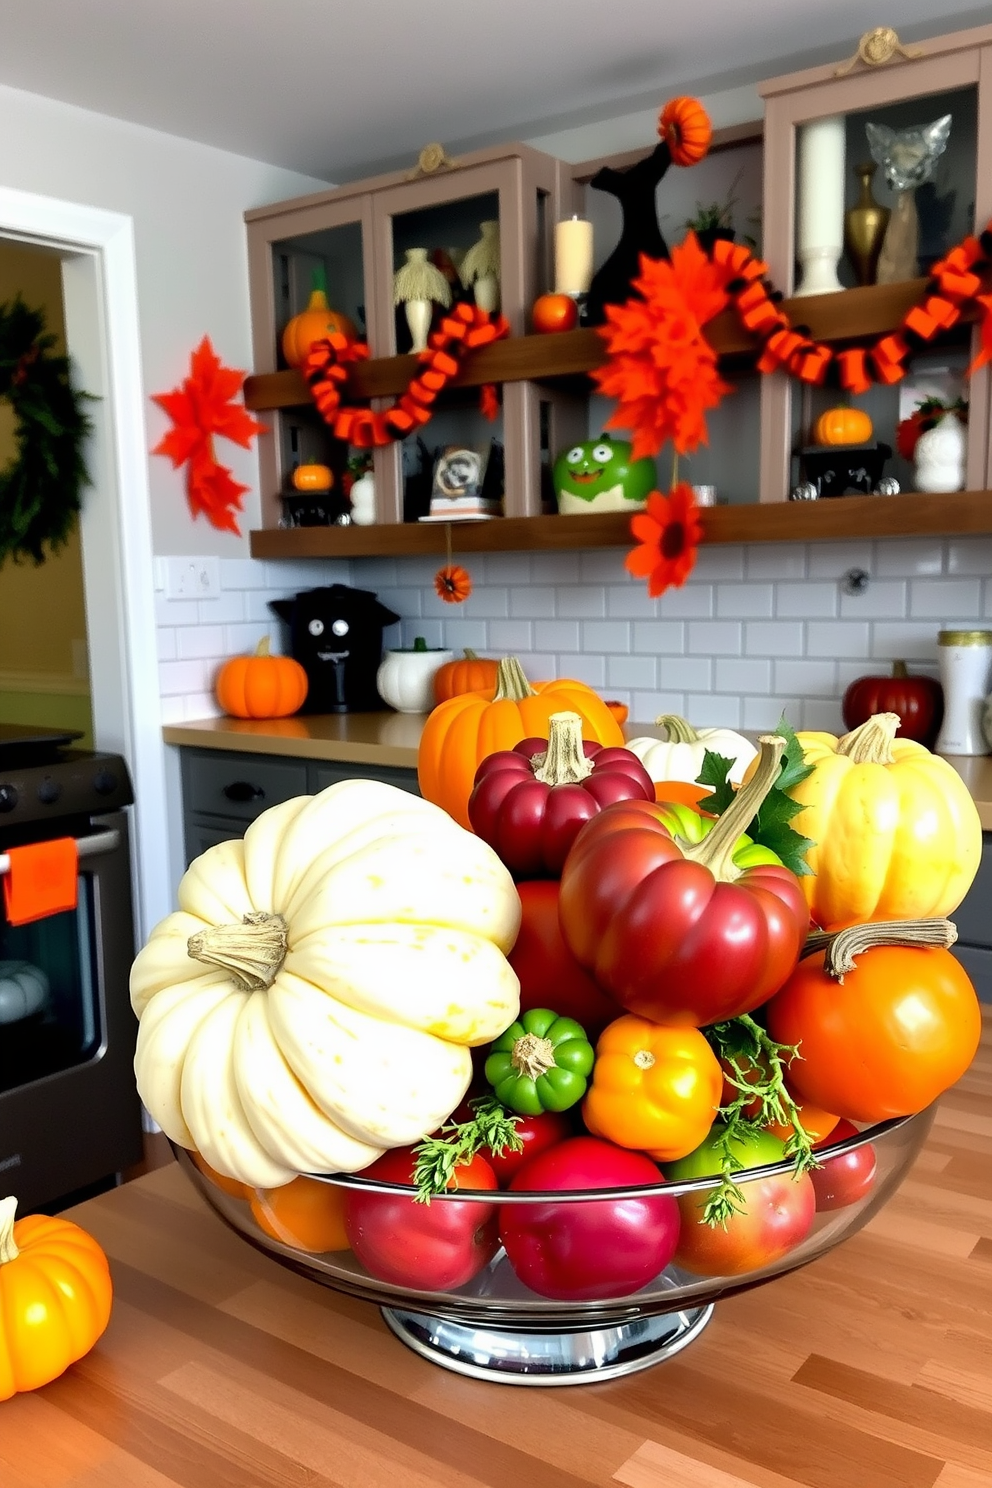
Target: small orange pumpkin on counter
point(843, 426)
point(313, 324)
point(467, 673)
point(261, 686)
point(55, 1298)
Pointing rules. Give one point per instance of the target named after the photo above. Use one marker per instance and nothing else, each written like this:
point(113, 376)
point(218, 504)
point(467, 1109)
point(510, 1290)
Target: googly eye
point(575, 455)
point(340, 627)
point(316, 627)
point(602, 454)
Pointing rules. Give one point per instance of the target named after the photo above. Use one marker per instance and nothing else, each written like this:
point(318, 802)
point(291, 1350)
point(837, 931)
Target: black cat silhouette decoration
point(634, 189)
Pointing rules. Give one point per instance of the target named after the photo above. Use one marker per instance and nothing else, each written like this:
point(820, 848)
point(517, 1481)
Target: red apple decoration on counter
point(554, 312)
point(918, 701)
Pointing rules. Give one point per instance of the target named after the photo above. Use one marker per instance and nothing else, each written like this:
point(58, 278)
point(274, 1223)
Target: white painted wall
point(187, 202)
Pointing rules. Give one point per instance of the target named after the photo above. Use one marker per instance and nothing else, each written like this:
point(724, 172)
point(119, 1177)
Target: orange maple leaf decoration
point(662, 371)
point(200, 408)
point(453, 583)
point(668, 531)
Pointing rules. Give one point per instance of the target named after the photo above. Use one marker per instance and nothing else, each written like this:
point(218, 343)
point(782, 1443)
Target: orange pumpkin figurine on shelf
point(261, 686)
point(305, 1213)
point(843, 426)
point(313, 324)
point(312, 478)
point(55, 1298)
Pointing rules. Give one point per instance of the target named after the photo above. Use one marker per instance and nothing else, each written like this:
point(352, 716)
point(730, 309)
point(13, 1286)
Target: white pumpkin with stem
point(314, 1000)
point(680, 755)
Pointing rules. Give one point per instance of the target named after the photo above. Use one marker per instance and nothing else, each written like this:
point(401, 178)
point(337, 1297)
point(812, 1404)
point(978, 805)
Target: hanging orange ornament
point(453, 583)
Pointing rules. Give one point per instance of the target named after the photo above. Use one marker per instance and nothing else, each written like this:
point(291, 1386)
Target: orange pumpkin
point(462, 731)
point(685, 125)
point(305, 1213)
point(261, 686)
point(55, 1298)
point(312, 478)
point(843, 426)
point(226, 1185)
point(468, 673)
point(620, 711)
point(313, 324)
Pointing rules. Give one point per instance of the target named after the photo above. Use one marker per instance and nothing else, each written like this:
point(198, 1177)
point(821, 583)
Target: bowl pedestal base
point(544, 1356)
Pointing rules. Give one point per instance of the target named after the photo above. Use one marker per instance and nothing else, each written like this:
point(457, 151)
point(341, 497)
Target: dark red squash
point(918, 700)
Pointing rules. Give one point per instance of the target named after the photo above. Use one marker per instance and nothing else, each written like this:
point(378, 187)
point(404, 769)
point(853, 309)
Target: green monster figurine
point(600, 476)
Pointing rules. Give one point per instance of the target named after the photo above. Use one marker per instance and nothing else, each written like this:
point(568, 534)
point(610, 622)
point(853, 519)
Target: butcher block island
point(870, 1368)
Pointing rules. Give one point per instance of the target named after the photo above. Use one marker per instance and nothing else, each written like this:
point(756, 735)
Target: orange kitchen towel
point(41, 880)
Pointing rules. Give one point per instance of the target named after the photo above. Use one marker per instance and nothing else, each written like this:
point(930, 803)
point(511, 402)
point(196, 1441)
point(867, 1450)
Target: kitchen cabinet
point(224, 791)
point(974, 923)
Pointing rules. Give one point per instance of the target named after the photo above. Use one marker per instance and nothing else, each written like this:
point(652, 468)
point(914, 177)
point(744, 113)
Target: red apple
point(778, 1211)
point(555, 312)
point(537, 1133)
point(845, 1179)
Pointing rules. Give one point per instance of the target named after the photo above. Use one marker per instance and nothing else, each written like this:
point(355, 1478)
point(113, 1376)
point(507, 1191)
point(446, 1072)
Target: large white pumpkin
point(680, 756)
point(351, 950)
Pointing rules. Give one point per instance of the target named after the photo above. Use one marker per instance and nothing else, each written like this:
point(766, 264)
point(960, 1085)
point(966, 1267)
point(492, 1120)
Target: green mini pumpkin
point(600, 476)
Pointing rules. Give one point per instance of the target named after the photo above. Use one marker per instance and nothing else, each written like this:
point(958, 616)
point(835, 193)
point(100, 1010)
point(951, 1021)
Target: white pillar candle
point(820, 205)
point(573, 256)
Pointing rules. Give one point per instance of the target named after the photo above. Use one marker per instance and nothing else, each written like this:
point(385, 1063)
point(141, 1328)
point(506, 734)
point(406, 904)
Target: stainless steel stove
point(69, 1112)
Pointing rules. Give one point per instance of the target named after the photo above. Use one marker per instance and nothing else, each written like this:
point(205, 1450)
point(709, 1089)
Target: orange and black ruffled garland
point(953, 286)
point(326, 371)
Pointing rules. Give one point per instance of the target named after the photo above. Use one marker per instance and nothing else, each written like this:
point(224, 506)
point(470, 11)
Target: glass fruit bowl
point(563, 1286)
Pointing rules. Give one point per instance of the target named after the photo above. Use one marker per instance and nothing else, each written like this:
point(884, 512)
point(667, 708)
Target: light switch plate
point(192, 578)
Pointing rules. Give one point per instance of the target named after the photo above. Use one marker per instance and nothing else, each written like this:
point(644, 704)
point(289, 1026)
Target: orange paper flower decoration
point(662, 371)
point(200, 408)
point(453, 583)
point(668, 532)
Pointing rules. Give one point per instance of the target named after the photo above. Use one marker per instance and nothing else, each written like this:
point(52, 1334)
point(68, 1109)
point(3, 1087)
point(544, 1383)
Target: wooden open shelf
point(850, 316)
point(960, 512)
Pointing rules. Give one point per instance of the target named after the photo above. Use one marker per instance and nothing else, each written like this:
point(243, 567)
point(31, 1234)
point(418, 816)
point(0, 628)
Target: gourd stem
point(252, 952)
point(716, 850)
point(511, 682)
point(533, 1056)
point(563, 762)
point(899, 669)
point(8, 1246)
point(469, 655)
point(844, 946)
point(679, 730)
point(263, 647)
point(871, 742)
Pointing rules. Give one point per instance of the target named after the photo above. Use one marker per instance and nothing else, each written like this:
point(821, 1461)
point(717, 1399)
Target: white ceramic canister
point(966, 677)
point(405, 679)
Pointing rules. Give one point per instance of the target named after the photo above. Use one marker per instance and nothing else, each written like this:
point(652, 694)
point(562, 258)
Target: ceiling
point(335, 88)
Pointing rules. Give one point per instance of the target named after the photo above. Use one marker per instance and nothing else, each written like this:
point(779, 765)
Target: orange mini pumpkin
point(462, 731)
point(685, 126)
point(313, 324)
point(261, 686)
point(843, 426)
point(467, 673)
point(55, 1298)
point(312, 478)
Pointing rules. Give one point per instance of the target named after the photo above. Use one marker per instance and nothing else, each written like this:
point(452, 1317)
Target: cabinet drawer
point(239, 786)
point(321, 776)
point(973, 917)
point(977, 962)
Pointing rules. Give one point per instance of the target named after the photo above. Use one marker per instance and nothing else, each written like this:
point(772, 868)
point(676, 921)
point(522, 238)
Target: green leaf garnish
point(492, 1127)
point(770, 827)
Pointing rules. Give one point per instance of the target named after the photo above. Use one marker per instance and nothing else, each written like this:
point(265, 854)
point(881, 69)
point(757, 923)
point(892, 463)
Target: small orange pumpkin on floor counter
point(261, 686)
point(55, 1298)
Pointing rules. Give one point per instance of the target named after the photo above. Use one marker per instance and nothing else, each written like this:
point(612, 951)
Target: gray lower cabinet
point(224, 790)
point(974, 921)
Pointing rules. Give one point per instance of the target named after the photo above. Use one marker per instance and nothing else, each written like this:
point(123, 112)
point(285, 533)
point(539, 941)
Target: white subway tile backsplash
point(630, 600)
point(602, 566)
point(632, 671)
point(647, 706)
point(807, 678)
point(822, 715)
point(203, 705)
point(714, 638)
point(659, 637)
point(588, 669)
point(970, 555)
point(556, 635)
point(945, 599)
point(491, 602)
point(555, 568)
point(884, 599)
point(680, 673)
point(509, 636)
point(837, 638)
point(257, 606)
point(806, 601)
point(908, 557)
point(904, 641)
point(379, 574)
point(501, 568)
point(242, 573)
point(472, 633)
point(738, 675)
point(580, 600)
point(172, 709)
point(719, 563)
point(693, 602)
point(606, 636)
point(240, 639)
point(166, 642)
point(830, 560)
point(432, 632)
point(745, 601)
point(199, 641)
point(405, 601)
point(710, 710)
point(763, 713)
point(773, 638)
point(177, 678)
point(176, 611)
point(775, 561)
point(534, 603)
point(226, 609)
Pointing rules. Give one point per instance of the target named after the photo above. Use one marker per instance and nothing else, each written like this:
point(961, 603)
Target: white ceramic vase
point(820, 205)
point(940, 456)
point(362, 497)
point(405, 679)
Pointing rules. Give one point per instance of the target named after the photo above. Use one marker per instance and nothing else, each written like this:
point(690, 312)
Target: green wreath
point(40, 490)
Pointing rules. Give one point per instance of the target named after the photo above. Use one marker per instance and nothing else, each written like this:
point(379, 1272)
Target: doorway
point(95, 253)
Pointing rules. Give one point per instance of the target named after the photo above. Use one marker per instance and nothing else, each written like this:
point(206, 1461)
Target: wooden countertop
point(870, 1368)
point(392, 739)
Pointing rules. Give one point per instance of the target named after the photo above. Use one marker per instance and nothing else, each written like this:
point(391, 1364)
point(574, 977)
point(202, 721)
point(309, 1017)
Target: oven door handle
point(87, 847)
